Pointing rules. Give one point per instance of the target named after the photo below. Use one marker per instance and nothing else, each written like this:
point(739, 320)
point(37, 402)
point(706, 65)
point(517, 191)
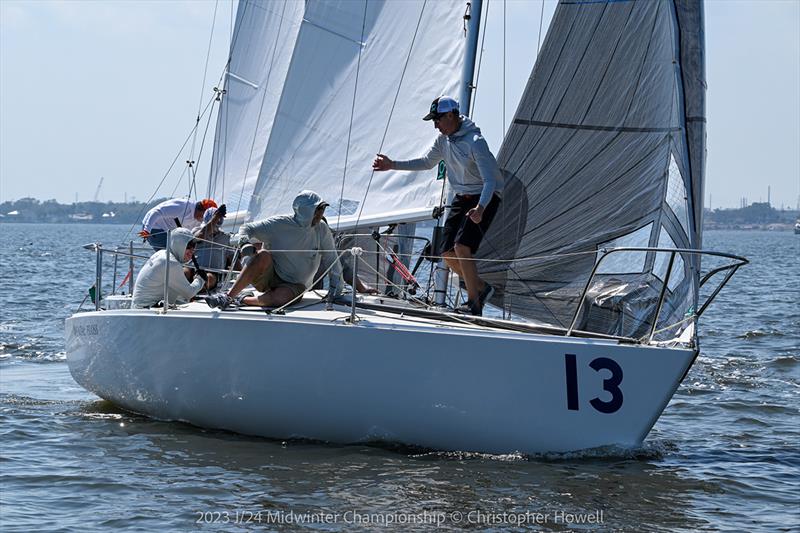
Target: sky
point(111, 89)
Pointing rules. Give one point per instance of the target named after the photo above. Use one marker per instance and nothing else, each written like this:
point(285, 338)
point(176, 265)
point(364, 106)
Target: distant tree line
point(755, 213)
point(50, 211)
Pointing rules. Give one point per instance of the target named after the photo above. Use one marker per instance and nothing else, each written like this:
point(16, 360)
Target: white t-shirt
point(164, 214)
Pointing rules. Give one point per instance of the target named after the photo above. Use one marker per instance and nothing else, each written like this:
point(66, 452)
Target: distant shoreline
point(758, 216)
point(749, 228)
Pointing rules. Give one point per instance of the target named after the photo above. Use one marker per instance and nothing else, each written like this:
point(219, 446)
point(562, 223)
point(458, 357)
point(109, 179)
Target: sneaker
point(469, 308)
point(485, 294)
point(219, 300)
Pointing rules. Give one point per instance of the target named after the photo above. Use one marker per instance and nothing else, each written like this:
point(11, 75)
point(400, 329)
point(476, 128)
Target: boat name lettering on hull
point(610, 384)
point(85, 331)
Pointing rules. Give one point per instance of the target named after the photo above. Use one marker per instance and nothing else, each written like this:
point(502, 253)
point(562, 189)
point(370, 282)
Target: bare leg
point(274, 298)
point(260, 262)
point(469, 272)
point(452, 261)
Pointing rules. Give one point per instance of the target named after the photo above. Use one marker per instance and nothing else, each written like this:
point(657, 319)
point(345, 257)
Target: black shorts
point(460, 229)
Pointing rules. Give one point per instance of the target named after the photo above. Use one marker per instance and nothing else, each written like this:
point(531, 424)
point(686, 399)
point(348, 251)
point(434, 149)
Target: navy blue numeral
point(610, 384)
point(572, 381)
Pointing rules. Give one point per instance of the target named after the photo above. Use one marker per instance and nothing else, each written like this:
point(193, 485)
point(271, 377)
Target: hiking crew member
point(213, 250)
point(474, 176)
point(149, 287)
point(284, 274)
point(159, 220)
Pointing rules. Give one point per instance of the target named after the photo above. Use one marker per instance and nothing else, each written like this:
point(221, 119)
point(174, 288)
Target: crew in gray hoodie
point(474, 176)
point(293, 248)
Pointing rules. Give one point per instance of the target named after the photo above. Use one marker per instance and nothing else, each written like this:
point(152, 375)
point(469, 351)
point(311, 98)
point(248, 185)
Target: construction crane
point(97, 191)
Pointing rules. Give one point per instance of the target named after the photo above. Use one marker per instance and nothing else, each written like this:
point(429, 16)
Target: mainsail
point(361, 75)
point(261, 49)
point(607, 149)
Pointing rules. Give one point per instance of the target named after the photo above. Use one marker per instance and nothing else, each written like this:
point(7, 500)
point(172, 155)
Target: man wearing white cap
point(474, 176)
point(160, 219)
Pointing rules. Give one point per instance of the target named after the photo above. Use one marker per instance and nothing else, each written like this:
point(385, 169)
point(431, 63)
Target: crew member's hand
point(476, 214)
point(220, 214)
point(382, 162)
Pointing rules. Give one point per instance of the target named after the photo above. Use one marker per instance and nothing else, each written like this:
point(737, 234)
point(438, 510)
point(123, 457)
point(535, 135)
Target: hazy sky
point(112, 89)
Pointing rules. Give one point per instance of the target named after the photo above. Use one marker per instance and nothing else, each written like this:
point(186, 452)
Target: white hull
point(414, 381)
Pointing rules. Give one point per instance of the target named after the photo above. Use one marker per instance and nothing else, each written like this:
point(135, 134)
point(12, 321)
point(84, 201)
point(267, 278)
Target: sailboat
point(595, 253)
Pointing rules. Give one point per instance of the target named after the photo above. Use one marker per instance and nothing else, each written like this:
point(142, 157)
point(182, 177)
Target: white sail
point(261, 49)
point(362, 72)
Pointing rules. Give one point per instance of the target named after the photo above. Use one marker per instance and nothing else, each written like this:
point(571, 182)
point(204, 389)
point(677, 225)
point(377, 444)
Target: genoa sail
point(606, 149)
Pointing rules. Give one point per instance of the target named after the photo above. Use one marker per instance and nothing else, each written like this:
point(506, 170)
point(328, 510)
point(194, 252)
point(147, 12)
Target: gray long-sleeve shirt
point(471, 167)
point(297, 247)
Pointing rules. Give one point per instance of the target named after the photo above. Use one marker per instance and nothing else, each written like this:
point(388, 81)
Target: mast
point(472, 19)
point(468, 71)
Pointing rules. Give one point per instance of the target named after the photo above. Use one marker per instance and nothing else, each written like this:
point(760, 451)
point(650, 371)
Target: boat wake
point(646, 452)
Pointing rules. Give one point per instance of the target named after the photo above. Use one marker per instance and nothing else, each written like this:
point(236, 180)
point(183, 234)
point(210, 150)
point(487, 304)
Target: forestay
point(607, 149)
point(360, 78)
point(261, 48)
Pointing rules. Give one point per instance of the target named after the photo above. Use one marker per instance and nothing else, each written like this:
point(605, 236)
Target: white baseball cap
point(440, 106)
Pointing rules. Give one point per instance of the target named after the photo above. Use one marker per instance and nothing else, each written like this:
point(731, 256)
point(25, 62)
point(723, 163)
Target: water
point(723, 457)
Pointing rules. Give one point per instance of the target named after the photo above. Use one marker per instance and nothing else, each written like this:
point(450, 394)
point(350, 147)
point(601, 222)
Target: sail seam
point(581, 2)
point(623, 129)
point(345, 37)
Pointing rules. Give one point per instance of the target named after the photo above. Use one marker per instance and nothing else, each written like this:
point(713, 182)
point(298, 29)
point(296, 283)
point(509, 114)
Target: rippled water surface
point(723, 457)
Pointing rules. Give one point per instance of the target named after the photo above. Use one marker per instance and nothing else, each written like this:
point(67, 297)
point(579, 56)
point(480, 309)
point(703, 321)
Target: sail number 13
point(610, 384)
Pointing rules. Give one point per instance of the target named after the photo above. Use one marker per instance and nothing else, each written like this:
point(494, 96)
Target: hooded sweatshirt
point(149, 287)
point(471, 167)
point(294, 232)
